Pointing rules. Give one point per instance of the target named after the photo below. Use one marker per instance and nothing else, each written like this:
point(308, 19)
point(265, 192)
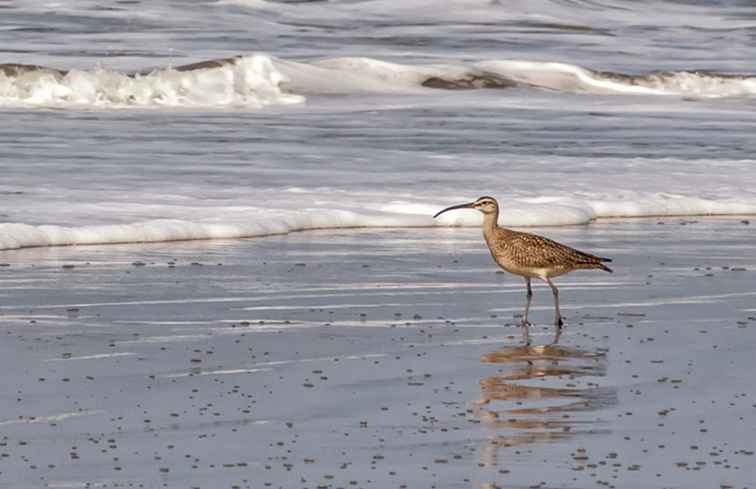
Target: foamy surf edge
point(257, 80)
point(540, 212)
point(247, 82)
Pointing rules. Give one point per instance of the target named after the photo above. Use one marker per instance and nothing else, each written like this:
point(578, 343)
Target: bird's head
point(485, 204)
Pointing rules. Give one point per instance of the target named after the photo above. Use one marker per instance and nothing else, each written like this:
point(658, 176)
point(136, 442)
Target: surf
point(254, 81)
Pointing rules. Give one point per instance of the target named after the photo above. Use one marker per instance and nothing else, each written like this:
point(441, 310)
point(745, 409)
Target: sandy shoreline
point(380, 358)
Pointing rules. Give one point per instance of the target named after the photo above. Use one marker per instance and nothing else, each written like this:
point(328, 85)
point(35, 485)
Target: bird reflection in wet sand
point(564, 406)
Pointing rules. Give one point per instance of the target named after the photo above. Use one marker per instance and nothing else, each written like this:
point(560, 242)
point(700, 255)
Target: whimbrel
point(529, 255)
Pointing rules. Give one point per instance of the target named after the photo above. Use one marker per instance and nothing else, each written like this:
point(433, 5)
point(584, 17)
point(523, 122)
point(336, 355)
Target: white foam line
point(261, 328)
point(698, 299)
point(478, 341)
point(82, 485)
point(206, 300)
point(378, 286)
point(48, 419)
point(320, 359)
point(166, 339)
point(190, 325)
point(358, 323)
point(485, 341)
point(435, 285)
point(262, 366)
point(218, 331)
point(16, 317)
point(162, 323)
point(203, 300)
point(263, 296)
point(344, 306)
point(507, 288)
point(92, 357)
point(217, 372)
point(515, 288)
point(398, 323)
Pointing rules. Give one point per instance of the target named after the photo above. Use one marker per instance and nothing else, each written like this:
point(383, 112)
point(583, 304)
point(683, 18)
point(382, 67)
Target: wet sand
point(381, 358)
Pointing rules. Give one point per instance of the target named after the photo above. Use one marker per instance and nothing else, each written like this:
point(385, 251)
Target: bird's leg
point(525, 323)
point(529, 298)
point(558, 315)
point(526, 334)
point(557, 336)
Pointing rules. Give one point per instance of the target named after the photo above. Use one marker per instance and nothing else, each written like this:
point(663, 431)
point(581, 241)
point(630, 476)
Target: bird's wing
point(535, 251)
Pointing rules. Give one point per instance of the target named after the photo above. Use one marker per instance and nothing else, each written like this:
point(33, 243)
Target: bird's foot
point(525, 332)
point(557, 336)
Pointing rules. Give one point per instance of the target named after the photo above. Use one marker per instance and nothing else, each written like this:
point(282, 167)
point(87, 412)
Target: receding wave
point(278, 219)
point(257, 80)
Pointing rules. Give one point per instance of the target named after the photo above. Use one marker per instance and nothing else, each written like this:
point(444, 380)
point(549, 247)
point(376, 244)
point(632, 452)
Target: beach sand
point(383, 358)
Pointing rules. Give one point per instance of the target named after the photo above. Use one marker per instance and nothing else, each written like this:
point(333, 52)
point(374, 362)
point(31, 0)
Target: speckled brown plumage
point(536, 252)
point(529, 255)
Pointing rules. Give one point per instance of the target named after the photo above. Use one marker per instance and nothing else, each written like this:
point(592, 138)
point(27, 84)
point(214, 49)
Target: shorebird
point(529, 255)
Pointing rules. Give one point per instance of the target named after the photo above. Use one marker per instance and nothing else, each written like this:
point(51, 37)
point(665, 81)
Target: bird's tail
point(604, 267)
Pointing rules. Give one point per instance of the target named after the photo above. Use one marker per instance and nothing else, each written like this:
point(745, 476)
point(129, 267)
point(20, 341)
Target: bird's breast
point(513, 267)
point(523, 271)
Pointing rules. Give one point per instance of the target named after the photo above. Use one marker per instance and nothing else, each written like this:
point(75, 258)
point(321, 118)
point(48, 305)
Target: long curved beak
point(469, 205)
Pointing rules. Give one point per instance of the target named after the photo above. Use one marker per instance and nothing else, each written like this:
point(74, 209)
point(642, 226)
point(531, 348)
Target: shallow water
point(376, 358)
point(367, 113)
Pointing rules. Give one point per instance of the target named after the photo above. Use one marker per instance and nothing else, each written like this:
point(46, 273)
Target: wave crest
point(245, 81)
point(258, 80)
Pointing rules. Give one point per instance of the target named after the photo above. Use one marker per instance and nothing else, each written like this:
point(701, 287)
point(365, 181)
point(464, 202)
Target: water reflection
point(541, 393)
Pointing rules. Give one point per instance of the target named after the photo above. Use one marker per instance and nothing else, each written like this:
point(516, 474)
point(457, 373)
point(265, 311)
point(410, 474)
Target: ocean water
point(129, 121)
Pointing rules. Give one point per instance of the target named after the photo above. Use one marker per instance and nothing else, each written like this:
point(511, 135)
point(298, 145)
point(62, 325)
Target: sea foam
point(257, 80)
point(243, 82)
point(521, 212)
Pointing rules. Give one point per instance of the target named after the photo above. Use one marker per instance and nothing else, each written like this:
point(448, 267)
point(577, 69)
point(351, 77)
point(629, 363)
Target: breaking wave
point(243, 82)
point(257, 80)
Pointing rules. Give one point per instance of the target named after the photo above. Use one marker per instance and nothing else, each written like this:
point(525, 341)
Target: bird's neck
point(490, 223)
